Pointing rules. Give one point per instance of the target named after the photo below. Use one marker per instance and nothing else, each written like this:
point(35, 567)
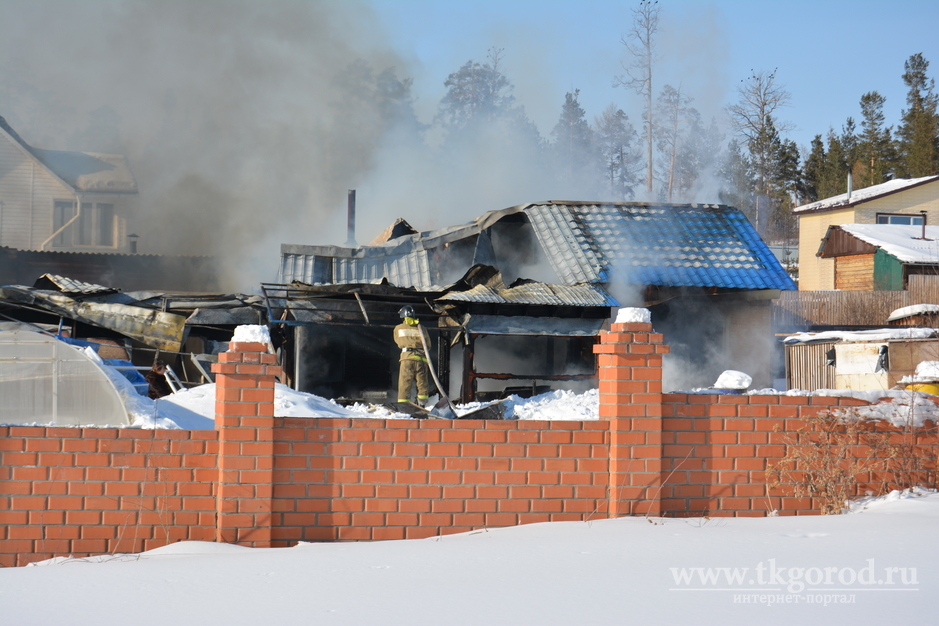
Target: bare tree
point(752, 119)
point(760, 96)
point(640, 45)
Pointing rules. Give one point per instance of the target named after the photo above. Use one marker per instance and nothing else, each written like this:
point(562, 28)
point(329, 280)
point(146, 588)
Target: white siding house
point(62, 201)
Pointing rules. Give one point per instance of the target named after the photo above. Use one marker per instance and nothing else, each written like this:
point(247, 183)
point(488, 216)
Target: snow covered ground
point(876, 565)
point(194, 409)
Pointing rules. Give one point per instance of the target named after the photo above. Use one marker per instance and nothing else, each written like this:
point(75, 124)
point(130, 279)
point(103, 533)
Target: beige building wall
point(28, 192)
point(816, 274)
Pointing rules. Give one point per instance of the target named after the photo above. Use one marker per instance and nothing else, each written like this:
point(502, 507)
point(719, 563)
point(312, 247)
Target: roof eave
point(850, 205)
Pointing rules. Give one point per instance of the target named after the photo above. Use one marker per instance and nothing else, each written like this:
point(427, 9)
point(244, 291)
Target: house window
point(94, 227)
point(896, 218)
point(62, 213)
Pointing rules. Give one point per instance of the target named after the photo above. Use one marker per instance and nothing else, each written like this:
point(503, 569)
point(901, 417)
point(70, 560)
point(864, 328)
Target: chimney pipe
point(923, 213)
point(351, 224)
point(850, 186)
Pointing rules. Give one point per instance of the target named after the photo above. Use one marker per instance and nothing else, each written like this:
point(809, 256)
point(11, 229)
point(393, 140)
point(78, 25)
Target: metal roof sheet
point(656, 244)
point(536, 294)
point(677, 245)
point(70, 285)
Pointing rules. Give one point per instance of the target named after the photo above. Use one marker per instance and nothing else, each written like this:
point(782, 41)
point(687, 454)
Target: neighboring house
point(53, 200)
point(702, 269)
point(897, 202)
point(880, 257)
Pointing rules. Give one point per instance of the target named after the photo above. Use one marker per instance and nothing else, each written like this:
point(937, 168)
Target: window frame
point(915, 220)
point(95, 230)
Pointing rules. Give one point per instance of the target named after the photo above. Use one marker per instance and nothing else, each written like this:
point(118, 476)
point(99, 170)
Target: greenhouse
point(46, 381)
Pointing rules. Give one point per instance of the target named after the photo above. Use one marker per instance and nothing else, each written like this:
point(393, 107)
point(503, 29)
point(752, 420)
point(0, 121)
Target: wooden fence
point(798, 309)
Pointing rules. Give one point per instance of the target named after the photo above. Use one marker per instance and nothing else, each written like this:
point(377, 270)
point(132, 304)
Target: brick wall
point(716, 450)
point(264, 481)
point(394, 479)
point(96, 491)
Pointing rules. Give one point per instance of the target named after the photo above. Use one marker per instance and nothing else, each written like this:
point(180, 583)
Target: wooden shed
point(858, 360)
point(880, 257)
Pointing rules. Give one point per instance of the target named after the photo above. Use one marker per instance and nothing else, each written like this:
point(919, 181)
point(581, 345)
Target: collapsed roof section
point(480, 292)
point(151, 327)
point(157, 319)
point(667, 245)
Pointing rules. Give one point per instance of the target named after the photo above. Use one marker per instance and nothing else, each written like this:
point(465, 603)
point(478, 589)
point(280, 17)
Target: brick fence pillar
point(630, 377)
point(244, 418)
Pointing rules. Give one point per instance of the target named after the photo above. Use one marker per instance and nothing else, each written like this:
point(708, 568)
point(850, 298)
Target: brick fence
point(258, 480)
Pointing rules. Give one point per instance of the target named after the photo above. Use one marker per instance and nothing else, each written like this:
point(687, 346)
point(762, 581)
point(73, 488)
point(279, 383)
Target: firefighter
point(413, 361)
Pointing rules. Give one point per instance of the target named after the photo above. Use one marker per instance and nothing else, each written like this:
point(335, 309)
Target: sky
point(826, 54)
point(244, 128)
point(876, 565)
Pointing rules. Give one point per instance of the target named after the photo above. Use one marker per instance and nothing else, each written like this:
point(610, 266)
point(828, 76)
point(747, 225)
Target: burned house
point(702, 269)
point(338, 343)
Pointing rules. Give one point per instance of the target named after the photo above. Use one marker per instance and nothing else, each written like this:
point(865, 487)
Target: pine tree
point(849, 143)
point(619, 157)
point(834, 171)
point(476, 93)
point(698, 154)
point(736, 172)
point(918, 133)
point(812, 171)
point(573, 140)
point(876, 154)
point(785, 189)
point(673, 115)
point(369, 106)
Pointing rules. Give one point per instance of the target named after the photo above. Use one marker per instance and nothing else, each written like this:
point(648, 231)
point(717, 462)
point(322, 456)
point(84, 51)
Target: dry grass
point(837, 455)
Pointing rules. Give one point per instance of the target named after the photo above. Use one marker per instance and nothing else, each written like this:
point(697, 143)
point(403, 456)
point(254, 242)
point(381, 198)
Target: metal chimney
point(850, 186)
point(923, 213)
point(351, 224)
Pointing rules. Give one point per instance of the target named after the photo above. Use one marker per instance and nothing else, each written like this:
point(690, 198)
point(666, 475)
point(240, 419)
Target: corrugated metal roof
point(408, 270)
point(70, 285)
point(656, 244)
point(676, 245)
point(536, 294)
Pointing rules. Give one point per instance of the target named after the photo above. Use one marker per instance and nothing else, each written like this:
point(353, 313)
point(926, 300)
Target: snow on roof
point(881, 334)
point(902, 241)
point(89, 171)
point(863, 195)
point(83, 171)
point(916, 309)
